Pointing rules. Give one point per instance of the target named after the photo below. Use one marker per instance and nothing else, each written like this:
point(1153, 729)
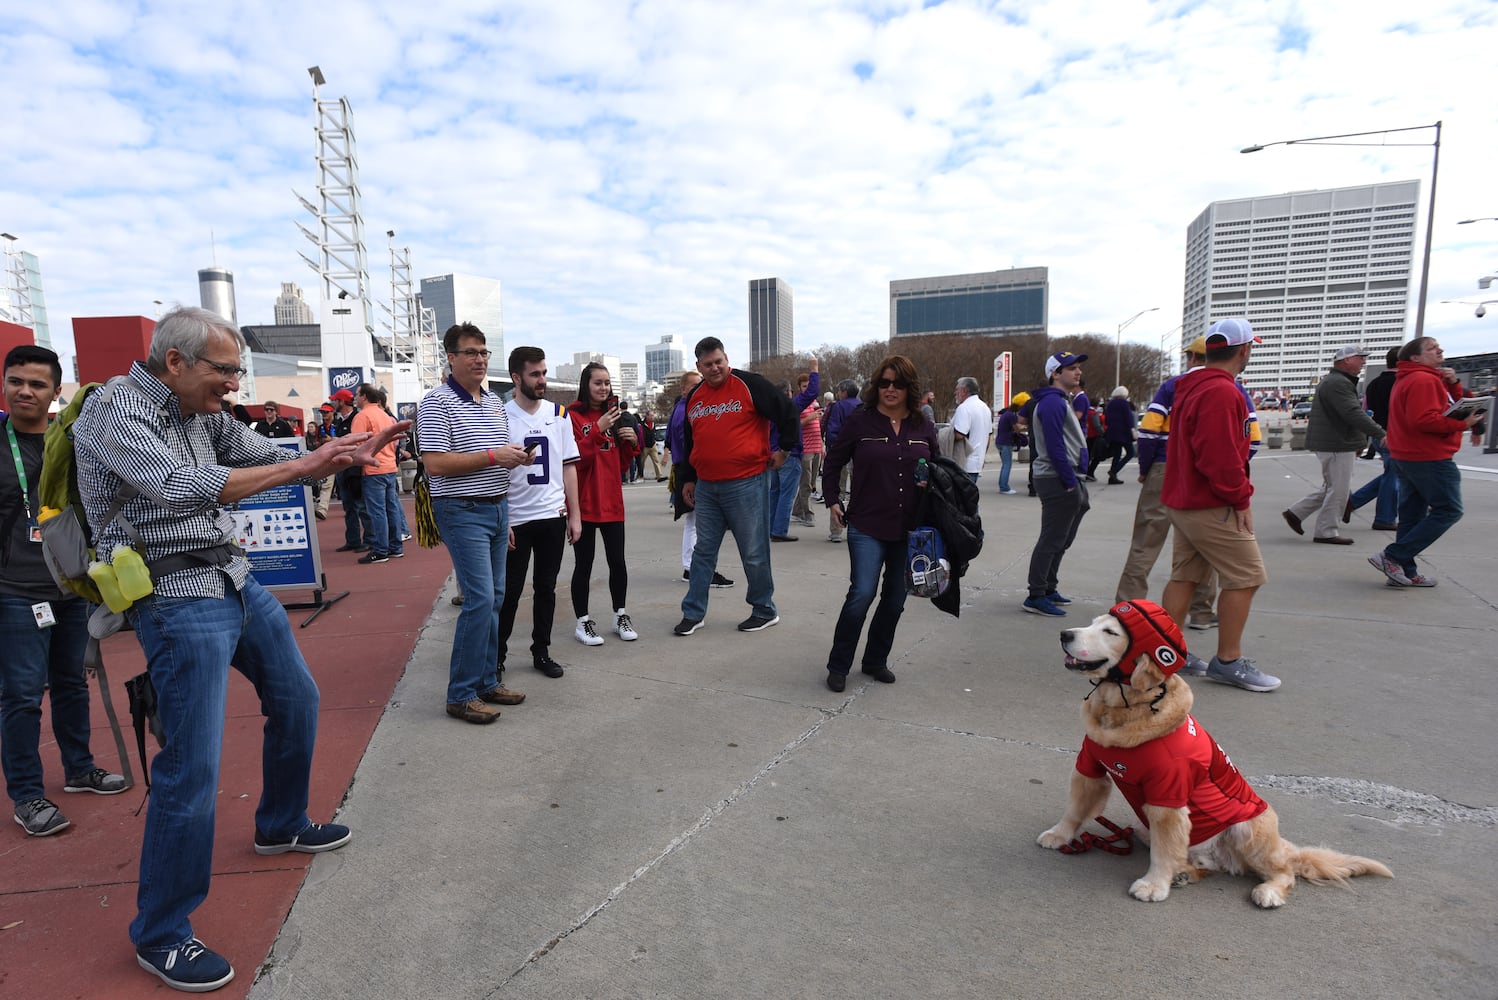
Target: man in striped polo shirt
point(724, 473)
point(465, 443)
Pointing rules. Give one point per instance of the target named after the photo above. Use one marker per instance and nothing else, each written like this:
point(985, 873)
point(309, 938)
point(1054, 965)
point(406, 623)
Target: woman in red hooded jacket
point(1421, 441)
point(605, 448)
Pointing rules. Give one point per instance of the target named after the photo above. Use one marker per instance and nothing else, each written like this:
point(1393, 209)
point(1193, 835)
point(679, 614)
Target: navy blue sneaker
point(190, 967)
point(1042, 606)
point(315, 839)
point(1057, 598)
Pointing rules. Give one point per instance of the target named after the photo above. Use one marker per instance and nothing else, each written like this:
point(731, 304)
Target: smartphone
point(530, 449)
point(612, 403)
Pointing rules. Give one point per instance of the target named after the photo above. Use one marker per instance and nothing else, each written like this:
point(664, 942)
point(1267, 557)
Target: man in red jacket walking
point(1421, 441)
point(1207, 493)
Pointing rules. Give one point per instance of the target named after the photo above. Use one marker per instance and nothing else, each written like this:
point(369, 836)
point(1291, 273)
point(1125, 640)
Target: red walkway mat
point(66, 901)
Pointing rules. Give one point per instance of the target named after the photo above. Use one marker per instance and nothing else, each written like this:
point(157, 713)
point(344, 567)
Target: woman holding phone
point(605, 447)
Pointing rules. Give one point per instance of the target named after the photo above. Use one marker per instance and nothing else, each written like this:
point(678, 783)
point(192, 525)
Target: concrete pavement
point(700, 816)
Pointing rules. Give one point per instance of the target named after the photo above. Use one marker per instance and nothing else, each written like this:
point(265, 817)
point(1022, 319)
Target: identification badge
point(44, 616)
point(34, 532)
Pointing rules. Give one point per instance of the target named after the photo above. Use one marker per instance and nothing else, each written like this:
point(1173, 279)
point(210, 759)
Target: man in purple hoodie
point(1060, 460)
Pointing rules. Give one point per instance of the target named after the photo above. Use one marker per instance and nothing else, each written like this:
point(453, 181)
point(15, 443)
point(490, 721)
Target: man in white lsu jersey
point(544, 514)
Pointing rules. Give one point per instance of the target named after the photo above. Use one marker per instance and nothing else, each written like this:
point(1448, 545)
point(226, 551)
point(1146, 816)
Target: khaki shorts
point(1208, 540)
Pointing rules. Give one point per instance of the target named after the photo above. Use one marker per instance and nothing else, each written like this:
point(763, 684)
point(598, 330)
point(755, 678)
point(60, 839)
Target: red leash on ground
point(1121, 841)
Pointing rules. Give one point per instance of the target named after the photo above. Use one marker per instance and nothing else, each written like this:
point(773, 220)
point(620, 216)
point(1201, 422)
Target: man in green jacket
point(1339, 428)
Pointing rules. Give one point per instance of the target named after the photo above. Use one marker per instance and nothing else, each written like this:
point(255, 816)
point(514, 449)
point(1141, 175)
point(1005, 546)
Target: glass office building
point(771, 323)
point(463, 298)
point(1015, 301)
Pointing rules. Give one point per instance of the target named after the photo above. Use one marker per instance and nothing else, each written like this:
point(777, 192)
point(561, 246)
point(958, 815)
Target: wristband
point(492, 459)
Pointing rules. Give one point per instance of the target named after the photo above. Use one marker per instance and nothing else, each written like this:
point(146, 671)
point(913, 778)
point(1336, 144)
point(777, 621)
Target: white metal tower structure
point(417, 363)
point(347, 336)
point(15, 299)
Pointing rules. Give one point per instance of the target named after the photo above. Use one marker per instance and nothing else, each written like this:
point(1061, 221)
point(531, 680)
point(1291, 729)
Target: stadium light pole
point(1118, 344)
point(1435, 168)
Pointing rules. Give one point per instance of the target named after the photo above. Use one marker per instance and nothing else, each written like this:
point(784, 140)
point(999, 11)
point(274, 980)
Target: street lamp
point(1485, 218)
point(1435, 167)
point(1118, 344)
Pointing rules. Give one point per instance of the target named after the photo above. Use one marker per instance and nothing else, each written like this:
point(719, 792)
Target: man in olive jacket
point(1339, 428)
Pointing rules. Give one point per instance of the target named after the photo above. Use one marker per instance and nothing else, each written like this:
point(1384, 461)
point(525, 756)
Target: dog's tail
point(1323, 865)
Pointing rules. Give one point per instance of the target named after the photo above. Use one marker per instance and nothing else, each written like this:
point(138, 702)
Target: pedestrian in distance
point(1058, 465)
point(1422, 443)
point(1339, 427)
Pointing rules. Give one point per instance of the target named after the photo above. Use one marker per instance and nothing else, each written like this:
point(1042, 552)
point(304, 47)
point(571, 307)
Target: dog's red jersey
point(1182, 768)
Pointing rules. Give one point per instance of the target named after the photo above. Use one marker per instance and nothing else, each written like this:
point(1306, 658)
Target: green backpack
point(67, 541)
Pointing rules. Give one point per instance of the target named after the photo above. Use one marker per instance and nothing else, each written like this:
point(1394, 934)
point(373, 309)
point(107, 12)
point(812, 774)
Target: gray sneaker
point(1241, 673)
point(40, 818)
point(98, 781)
point(1195, 666)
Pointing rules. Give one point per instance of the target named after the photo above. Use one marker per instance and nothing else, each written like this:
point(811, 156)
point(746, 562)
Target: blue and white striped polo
point(451, 420)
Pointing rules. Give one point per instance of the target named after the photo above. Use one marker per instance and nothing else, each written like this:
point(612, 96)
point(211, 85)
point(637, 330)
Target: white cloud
point(626, 169)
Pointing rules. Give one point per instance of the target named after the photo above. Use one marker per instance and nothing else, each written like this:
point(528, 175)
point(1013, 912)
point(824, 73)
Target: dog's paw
point(1054, 839)
point(1268, 896)
point(1150, 892)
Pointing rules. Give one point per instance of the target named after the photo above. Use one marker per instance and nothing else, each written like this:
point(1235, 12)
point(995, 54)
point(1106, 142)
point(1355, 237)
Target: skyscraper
point(291, 308)
point(1311, 270)
point(771, 326)
point(663, 358)
point(1012, 301)
point(463, 298)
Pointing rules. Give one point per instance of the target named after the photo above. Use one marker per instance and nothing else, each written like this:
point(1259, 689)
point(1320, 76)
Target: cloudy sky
point(625, 168)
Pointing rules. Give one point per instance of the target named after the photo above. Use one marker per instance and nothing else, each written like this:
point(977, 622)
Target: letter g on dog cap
point(1231, 333)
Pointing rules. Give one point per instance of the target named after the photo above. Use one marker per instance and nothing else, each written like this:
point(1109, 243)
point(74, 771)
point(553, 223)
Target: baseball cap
point(1349, 351)
point(1197, 346)
point(1233, 332)
point(1062, 359)
point(343, 396)
point(326, 408)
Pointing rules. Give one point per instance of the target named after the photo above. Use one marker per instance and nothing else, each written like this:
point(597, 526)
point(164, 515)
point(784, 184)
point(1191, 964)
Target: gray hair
point(1121, 392)
point(188, 329)
point(969, 385)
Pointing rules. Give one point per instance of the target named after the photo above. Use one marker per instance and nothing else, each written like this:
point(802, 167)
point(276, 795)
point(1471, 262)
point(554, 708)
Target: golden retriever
point(1134, 704)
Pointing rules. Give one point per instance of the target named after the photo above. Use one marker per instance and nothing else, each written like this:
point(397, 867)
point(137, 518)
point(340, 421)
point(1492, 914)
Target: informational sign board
point(344, 378)
point(278, 531)
point(1003, 381)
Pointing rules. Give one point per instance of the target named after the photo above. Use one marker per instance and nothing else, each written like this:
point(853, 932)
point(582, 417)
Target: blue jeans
point(867, 555)
point(190, 644)
point(1006, 462)
point(34, 659)
point(736, 505)
point(784, 482)
point(477, 535)
point(1383, 487)
point(382, 502)
point(1431, 502)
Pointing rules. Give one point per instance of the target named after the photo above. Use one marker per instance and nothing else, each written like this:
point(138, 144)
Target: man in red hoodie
point(1421, 441)
point(1207, 493)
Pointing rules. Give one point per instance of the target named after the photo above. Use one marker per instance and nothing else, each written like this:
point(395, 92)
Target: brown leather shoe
point(502, 696)
point(474, 711)
point(1293, 522)
point(1333, 540)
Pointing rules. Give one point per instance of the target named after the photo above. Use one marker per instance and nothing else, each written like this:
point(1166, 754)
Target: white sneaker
point(625, 627)
point(587, 632)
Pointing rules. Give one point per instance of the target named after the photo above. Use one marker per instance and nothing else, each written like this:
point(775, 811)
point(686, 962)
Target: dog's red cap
point(1153, 633)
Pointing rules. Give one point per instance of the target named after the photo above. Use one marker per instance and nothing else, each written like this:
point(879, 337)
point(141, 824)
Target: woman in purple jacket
point(884, 439)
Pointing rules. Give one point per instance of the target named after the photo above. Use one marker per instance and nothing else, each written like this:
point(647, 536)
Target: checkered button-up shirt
point(178, 464)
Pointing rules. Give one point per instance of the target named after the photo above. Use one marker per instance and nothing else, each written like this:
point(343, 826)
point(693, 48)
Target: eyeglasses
point(472, 354)
point(225, 371)
point(891, 383)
